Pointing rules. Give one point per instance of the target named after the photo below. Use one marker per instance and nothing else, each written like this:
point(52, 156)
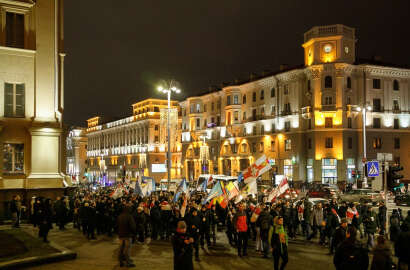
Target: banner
point(279, 190)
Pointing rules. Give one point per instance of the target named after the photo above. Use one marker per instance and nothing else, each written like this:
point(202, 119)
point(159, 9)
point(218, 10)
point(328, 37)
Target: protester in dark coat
point(156, 220)
point(382, 259)
point(332, 224)
point(350, 255)
point(45, 217)
point(126, 229)
point(140, 221)
point(205, 227)
point(194, 224)
point(402, 248)
point(265, 221)
point(339, 235)
point(240, 224)
point(182, 246)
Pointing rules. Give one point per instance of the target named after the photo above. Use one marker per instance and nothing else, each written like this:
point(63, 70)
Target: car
point(402, 200)
point(362, 195)
point(323, 192)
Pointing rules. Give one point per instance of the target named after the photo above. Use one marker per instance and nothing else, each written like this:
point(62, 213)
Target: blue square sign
point(373, 169)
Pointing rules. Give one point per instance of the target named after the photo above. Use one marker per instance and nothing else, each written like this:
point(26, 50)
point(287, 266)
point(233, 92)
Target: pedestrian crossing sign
point(373, 169)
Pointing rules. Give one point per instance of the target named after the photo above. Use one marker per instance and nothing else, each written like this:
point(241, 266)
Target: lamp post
point(168, 88)
point(364, 109)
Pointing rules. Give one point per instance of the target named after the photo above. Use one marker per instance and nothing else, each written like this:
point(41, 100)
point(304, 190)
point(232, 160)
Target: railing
point(336, 29)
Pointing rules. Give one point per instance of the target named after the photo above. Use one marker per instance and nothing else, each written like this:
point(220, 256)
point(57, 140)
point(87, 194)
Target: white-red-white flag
point(258, 168)
point(279, 190)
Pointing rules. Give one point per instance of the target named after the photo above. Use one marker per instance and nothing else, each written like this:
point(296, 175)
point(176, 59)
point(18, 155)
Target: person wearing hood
point(279, 243)
point(382, 259)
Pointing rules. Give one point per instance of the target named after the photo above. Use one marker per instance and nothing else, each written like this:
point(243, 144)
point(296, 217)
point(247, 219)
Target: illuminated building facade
point(132, 147)
point(305, 119)
point(31, 98)
point(76, 154)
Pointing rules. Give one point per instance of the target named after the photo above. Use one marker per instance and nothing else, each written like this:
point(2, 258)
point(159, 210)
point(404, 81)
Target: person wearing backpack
point(264, 222)
point(351, 255)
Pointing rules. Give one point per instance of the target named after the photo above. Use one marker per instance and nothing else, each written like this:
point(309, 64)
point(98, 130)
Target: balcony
point(328, 108)
point(306, 112)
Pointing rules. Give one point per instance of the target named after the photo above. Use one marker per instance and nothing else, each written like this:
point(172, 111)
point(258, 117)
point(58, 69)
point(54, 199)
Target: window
point(235, 99)
point(349, 122)
point(376, 122)
point(308, 85)
point(349, 142)
point(328, 122)
point(349, 83)
point(13, 158)
point(253, 147)
point(244, 99)
point(244, 147)
point(396, 143)
point(396, 86)
point(244, 115)
point(156, 127)
point(236, 115)
point(228, 100)
point(192, 108)
point(288, 145)
point(377, 143)
point(198, 108)
point(262, 94)
point(156, 139)
point(254, 114)
point(396, 123)
point(14, 30)
point(376, 84)
point(198, 123)
point(329, 171)
point(396, 106)
point(254, 96)
point(328, 82)
point(14, 100)
point(285, 89)
point(272, 110)
point(212, 106)
point(272, 146)
point(377, 105)
point(309, 143)
point(287, 108)
point(261, 146)
point(328, 100)
point(234, 148)
point(287, 126)
point(205, 123)
point(348, 100)
point(205, 108)
point(329, 142)
point(272, 92)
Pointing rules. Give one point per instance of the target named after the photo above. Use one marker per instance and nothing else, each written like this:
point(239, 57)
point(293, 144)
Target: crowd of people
point(347, 230)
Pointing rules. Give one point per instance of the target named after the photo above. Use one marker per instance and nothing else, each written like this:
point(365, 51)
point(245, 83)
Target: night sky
point(118, 50)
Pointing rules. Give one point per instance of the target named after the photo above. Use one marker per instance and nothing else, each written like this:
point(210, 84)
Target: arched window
point(244, 99)
point(262, 94)
point(328, 82)
point(272, 92)
point(349, 83)
point(396, 86)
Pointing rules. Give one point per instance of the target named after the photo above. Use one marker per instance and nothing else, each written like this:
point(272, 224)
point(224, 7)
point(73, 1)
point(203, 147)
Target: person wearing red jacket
point(240, 224)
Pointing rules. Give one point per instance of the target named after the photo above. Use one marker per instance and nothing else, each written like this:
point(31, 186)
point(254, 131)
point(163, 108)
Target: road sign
point(373, 168)
point(385, 156)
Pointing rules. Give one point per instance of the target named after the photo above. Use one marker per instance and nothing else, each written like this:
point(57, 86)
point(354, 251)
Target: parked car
point(402, 200)
point(362, 195)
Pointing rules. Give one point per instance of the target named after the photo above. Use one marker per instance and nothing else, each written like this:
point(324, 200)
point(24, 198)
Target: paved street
point(102, 253)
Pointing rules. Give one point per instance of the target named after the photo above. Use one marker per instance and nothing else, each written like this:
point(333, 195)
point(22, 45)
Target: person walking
point(382, 259)
point(279, 243)
point(126, 229)
point(205, 227)
point(370, 226)
point(194, 224)
point(264, 222)
point(182, 247)
point(350, 255)
point(241, 227)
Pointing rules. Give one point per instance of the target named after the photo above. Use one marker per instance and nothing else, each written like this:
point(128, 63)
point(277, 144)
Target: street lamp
point(167, 87)
point(364, 109)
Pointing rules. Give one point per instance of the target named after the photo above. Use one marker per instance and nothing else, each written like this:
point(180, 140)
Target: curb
point(64, 254)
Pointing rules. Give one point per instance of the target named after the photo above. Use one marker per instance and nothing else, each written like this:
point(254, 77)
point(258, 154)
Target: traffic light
point(393, 176)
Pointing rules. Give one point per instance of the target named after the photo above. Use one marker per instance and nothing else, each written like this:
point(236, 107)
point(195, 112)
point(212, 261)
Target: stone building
point(31, 98)
point(76, 154)
point(132, 147)
point(306, 119)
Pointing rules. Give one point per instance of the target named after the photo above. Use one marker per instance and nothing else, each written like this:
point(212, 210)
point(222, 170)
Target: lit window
point(288, 145)
point(14, 100)
point(13, 158)
point(235, 99)
point(228, 100)
point(198, 108)
point(377, 143)
point(328, 122)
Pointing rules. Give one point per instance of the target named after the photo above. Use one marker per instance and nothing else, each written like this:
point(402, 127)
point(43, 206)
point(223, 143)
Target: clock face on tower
point(327, 48)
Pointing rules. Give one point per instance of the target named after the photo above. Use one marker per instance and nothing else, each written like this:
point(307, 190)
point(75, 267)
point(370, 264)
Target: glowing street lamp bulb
point(160, 88)
point(177, 91)
point(173, 88)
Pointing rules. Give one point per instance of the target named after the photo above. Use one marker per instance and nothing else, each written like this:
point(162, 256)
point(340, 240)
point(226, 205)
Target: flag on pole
point(231, 190)
point(240, 177)
point(182, 188)
point(279, 190)
point(116, 193)
point(215, 192)
point(138, 189)
point(256, 169)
